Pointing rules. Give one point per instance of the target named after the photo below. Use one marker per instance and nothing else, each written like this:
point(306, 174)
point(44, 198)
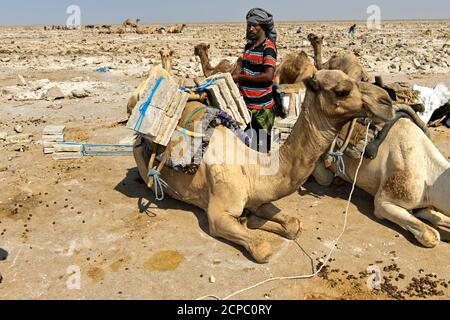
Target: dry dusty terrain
point(95, 214)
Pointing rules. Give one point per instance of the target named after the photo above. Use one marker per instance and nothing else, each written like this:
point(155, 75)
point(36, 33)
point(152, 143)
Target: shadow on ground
point(132, 186)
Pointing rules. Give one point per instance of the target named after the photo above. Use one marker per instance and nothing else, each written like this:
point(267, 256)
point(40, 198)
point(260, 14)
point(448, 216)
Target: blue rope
point(197, 110)
point(339, 160)
point(201, 88)
point(160, 184)
point(143, 108)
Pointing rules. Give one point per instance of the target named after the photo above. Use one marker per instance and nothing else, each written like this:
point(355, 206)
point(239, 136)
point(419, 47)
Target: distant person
point(299, 29)
point(256, 78)
point(352, 30)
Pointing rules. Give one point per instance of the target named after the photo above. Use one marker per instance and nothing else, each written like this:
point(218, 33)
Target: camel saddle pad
point(376, 136)
point(190, 141)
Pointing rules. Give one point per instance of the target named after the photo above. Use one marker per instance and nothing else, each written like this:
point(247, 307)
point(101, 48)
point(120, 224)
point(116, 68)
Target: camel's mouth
point(376, 102)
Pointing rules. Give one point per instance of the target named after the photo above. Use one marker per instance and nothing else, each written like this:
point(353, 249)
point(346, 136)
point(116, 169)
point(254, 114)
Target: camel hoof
point(429, 238)
point(293, 229)
point(261, 251)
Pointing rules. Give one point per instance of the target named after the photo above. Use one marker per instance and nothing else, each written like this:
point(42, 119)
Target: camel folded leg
point(436, 218)
point(270, 219)
point(224, 224)
point(425, 234)
point(322, 175)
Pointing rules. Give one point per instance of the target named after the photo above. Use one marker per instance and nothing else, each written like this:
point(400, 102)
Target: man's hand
point(265, 77)
point(236, 77)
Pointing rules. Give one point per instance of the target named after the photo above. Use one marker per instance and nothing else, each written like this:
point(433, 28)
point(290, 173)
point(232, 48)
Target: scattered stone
point(19, 138)
point(56, 106)
point(21, 81)
point(3, 135)
point(3, 168)
point(6, 59)
point(54, 93)
point(18, 129)
point(212, 279)
point(80, 93)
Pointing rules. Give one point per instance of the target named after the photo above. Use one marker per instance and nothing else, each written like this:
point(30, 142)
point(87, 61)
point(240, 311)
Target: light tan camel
point(409, 179)
point(295, 68)
point(346, 62)
point(223, 66)
point(130, 23)
point(143, 30)
point(177, 29)
point(225, 188)
point(166, 59)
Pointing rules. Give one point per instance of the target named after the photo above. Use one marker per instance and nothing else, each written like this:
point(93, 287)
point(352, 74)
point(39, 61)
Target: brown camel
point(295, 68)
point(144, 30)
point(346, 62)
point(223, 66)
point(224, 188)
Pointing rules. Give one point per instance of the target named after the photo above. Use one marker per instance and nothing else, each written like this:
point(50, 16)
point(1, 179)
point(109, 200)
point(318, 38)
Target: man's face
point(254, 31)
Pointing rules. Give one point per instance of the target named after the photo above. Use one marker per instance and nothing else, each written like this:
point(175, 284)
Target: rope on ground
point(327, 260)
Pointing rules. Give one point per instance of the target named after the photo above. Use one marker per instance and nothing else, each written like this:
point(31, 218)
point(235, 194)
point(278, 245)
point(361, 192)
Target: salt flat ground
point(94, 214)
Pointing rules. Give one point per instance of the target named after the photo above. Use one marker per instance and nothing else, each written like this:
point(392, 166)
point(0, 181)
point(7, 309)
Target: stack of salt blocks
point(165, 106)
point(51, 135)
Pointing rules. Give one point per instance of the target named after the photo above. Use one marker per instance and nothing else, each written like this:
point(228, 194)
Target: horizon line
point(242, 22)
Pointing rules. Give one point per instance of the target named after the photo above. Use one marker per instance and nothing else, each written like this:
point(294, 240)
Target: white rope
point(326, 261)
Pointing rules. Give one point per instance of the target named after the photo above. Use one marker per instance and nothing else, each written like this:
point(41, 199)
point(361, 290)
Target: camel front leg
point(436, 218)
point(426, 235)
point(223, 223)
point(270, 219)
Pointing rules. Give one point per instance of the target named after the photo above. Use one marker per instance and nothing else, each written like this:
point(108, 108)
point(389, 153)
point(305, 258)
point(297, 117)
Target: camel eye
point(342, 94)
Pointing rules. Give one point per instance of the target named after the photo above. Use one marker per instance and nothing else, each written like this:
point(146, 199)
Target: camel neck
point(310, 138)
point(318, 56)
point(204, 59)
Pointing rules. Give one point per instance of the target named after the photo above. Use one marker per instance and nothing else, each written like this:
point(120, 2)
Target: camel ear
point(343, 88)
point(312, 84)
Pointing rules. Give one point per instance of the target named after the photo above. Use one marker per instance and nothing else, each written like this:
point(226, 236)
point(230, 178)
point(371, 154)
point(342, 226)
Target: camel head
point(341, 98)
point(166, 55)
point(202, 48)
point(315, 40)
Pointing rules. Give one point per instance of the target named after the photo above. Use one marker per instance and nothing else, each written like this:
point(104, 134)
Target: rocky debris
point(212, 279)
point(54, 93)
point(21, 81)
point(6, 60)
point(22, 138)
point(18, 129)
point(3, 135)
point(80, 93)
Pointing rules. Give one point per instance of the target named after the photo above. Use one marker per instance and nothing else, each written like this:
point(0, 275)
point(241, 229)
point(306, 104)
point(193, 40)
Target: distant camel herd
point(128, 25)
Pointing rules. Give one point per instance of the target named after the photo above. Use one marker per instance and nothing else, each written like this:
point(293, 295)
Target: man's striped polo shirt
point(255, 61)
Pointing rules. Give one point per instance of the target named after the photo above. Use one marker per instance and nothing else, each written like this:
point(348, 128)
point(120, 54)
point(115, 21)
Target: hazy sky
point(170, 11)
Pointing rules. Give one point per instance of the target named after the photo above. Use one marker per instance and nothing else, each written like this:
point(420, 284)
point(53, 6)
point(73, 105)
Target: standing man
point(256, 78)
point(352, 30)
